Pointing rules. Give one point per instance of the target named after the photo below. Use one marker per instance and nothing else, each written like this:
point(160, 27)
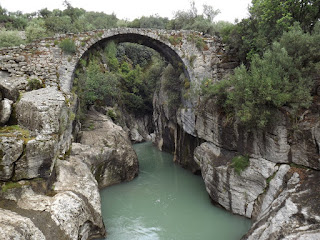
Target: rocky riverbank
point(50, 185)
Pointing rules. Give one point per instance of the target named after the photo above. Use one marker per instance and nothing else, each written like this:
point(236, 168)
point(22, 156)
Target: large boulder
point(10, 86)
point(38, 158)
point(15, 226)
point(107, 148)
point(47, 114)
point(43, 111)
point(70, 208)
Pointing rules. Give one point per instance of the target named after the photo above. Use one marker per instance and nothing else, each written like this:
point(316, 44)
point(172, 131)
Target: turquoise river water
point(165, 202)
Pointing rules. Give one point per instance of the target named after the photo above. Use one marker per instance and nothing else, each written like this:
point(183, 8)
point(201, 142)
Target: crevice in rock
point(229, 192)
point(43, 221)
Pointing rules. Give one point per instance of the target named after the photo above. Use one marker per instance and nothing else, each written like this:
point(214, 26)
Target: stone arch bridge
point(47, 114)
point(201, 56)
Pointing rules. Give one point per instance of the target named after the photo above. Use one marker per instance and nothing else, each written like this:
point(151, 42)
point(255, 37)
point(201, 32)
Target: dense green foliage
point(172, 84)
point(127, 80)
point(46, 23)
point(240, 163)
point(282, 77)
point(10, 38)
point(268, 20)
point(68, 46)
point(279, 45)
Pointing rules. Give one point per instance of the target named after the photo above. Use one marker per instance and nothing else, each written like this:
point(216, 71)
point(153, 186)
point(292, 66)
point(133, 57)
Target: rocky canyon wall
point(50, 184)
point(278, 188)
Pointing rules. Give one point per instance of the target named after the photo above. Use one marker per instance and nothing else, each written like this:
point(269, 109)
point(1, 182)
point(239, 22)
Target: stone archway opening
point(166, 95)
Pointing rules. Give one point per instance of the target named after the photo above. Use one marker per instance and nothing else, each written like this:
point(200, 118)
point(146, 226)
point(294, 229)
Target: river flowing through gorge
point(165, 202)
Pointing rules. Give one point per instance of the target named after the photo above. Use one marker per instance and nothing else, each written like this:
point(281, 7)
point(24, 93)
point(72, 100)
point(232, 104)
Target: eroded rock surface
point(71, 211)
point(45, 120)
point(278, 189)
point(235, 192)
point(290, 209)
point(5, 110)
point(107, 149)
point(11, 149)
point(14, 226)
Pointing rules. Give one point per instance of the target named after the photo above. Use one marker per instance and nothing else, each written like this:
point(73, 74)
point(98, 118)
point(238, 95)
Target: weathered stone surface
point(135, 136)
point(75, 209)
point(107, 149)
point(14, 226)
point(43, 111)
point(139, 128)
point(75, 175)
point(164, 120)
point(291, 207)
point(38, 158)
point(10, 86)
point(5, 110)
point(11, 149)
point(77, 201)
point(305, 147)
point(234, 192)
point(213, 126)
point(274, 189)
point(72, 214)
point(186, 119)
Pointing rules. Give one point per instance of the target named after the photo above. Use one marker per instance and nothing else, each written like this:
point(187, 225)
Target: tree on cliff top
point(268, 20)
point(281, 78)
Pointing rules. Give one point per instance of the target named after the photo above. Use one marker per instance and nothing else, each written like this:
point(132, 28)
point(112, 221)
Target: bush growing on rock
point(278, 79)
point(34, 84)
point(239, 163)
point(10, 39)
point(68, 46)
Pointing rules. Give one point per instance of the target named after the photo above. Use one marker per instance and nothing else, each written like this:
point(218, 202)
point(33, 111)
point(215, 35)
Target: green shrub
point(112, 114)
point(10, 39)
point(35, 30)
point(10, 185)
point(192, 59)
point(68, 46)
point(239, 163)
point(252, 96)
point(34, 84)
point(175, 40)
point(200, 44)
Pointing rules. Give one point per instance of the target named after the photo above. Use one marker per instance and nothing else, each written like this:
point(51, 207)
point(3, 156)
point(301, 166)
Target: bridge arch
point(154, 39)
point(46, 61)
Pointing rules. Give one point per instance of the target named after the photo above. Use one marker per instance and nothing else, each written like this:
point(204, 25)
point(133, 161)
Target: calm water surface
point(165, 202)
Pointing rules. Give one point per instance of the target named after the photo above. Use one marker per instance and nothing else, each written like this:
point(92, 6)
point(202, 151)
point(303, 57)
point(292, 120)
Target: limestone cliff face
point(43, 134)
point(50, 186)
point(275, 190)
